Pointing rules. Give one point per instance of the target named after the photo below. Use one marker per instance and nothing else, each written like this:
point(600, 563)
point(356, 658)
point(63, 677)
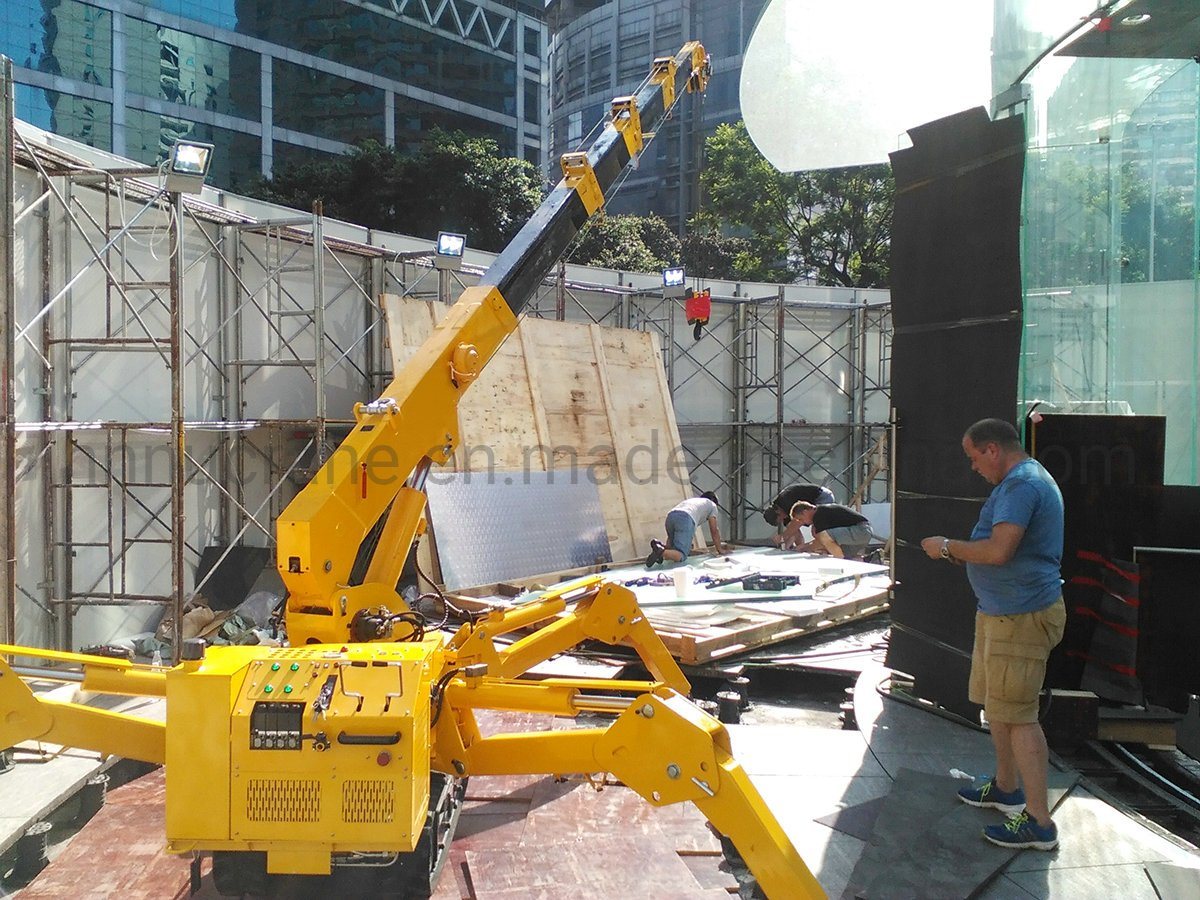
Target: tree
point(708, 253)
point(454, 182)
point(629, 243)
point(833, 225)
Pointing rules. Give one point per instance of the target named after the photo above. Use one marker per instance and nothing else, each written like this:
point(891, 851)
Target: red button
point(383, 758)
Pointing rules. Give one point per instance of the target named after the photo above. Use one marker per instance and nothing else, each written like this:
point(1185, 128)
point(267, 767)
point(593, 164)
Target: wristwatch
point(946, 549)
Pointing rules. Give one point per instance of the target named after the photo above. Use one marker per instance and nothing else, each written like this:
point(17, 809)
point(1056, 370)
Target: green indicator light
point(274, 667)
point(295, 667)
point(268, 689)
point(287, 688)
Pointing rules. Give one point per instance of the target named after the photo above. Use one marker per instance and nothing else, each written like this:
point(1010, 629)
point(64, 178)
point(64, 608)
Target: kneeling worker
point(779, 511)
point(682, 522)
point(837, 530)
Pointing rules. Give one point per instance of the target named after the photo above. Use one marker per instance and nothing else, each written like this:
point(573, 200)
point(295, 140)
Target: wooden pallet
point(698, 644)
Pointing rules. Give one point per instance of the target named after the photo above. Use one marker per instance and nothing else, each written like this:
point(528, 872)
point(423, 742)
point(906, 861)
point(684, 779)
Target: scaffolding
point(178, 368)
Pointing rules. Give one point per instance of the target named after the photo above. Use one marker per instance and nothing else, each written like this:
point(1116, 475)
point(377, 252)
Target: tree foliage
point(833, 225)
point(706, 252)
point(629, 243)
point(454, 182)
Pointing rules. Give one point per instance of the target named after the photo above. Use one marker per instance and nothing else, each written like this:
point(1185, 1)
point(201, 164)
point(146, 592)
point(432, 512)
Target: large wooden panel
point(577, 399)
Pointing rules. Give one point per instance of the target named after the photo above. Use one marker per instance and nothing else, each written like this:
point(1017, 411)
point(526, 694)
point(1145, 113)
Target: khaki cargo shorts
point(1008, 664)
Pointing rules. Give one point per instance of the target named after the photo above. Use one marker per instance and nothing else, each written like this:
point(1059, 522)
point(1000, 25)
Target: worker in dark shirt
point(837, 530)
point(779, 511)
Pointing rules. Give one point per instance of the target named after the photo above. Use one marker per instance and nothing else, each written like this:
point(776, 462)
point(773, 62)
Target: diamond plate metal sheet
point(510, 524)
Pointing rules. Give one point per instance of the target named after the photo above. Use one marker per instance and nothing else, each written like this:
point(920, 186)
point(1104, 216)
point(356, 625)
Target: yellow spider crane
point(352, 746)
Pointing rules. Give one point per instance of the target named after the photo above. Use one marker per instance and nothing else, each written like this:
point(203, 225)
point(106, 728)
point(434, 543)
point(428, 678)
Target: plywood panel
point(584, 401)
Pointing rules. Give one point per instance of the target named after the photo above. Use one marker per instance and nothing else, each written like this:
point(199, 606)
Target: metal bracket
point(578, 173)
point(627, 120)
point(662, 71)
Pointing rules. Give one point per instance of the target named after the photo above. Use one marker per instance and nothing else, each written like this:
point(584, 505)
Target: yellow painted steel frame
point(26, 717)
point(663, 72)
point(581, 177)
point(660, 745)
point(416, 418)
point(419, 699)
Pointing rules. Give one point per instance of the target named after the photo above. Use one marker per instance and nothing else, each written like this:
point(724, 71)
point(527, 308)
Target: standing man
point(837, 530)
point(1013, 561)
point(779, 511)
point(682, 522)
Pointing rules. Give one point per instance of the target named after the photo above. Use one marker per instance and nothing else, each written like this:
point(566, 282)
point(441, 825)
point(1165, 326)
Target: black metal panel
point(933, 597)
point(956, 304)
point(940, 673)
point(1095, 453)
point(955, 235)
point(1169, 627)
point(943, 380)
point(1178, 517)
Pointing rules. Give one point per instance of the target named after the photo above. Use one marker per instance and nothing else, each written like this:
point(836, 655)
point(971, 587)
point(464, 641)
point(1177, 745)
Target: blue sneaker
point(1021, 832)
point(989, 796)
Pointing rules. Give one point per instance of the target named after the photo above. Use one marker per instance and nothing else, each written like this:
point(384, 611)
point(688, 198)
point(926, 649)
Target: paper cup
point(683, 581)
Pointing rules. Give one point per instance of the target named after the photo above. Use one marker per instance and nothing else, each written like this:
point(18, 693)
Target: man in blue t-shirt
point(1013, 561)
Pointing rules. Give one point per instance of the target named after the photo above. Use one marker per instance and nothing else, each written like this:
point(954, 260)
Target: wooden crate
point(579, 399)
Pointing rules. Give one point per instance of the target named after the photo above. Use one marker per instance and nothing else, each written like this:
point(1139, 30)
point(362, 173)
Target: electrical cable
point(438, 695)
point(466, 615)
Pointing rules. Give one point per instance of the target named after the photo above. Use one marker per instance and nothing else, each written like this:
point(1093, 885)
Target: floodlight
point(673, 280)
point(187, 166)
point(449, 250)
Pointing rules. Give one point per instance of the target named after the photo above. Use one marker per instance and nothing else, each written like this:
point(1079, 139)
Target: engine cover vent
point(283, 800)
point(368, 801)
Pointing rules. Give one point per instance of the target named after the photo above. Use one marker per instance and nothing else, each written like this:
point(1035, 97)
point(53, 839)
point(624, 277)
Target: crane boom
point(379, 468)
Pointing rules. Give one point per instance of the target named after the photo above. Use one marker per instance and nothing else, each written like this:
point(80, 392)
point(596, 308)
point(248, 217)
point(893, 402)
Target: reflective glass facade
point(326, 105)
point(70, 39)
point(79, 118)
point(321, 74)
point(1109, 240)
point(178, 67)
point(150, 136)
point(391, 48)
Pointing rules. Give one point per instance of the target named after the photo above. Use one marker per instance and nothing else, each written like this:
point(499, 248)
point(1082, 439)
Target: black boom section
point(530, 255)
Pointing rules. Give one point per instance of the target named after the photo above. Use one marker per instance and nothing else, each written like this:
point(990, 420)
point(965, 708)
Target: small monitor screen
point(673, 277)
point(451, 244)
point(191, 159)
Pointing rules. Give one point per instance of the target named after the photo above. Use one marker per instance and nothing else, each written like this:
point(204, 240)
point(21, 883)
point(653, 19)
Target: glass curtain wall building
point(270, 81)
point(1110, 243)
point(600, 49)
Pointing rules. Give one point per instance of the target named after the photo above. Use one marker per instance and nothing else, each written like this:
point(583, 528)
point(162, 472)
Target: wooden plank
point(541, 427)
point(409, 324)
point(497, 417)
point(623, 547)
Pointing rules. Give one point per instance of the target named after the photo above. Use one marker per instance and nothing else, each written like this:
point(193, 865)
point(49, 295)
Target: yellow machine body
point(324, 747)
